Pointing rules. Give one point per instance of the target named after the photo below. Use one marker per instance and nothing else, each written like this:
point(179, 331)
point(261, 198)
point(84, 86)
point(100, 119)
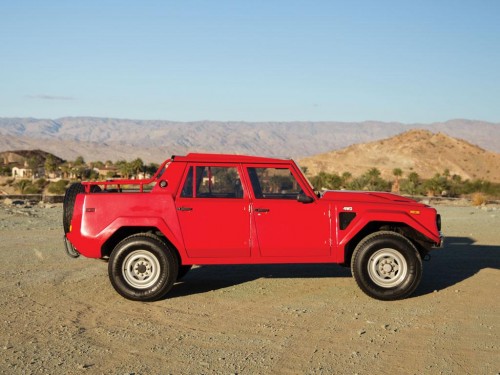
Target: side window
point(187, 189)
point(274, 183)
point(212, 182)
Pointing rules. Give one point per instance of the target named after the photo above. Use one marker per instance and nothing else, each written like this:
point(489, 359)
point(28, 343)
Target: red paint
point(240, 226)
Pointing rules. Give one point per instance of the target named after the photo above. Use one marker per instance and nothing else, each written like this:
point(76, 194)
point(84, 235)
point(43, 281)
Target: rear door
point(213, 212)
point(286, 227)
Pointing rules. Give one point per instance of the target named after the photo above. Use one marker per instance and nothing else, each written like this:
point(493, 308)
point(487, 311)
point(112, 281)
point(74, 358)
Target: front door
point(213, 212)
point(286, 227)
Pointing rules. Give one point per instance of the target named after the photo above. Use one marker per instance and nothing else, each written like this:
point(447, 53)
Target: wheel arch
point(127, 231)
point(415, 237)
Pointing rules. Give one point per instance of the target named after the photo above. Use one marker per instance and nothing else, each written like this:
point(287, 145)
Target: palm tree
point(50, 164)
point(79, 161)
point(136, 166)
point(22, 185)
point(446, 173)
point(124, 168)
point(414, 177)
point(397, 172)
point(346, 178)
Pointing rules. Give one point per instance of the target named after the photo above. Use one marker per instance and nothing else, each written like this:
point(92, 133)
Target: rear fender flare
point(145, 222)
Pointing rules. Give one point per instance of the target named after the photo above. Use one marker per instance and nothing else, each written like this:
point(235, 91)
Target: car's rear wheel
point(142, 268)
point(386, 266)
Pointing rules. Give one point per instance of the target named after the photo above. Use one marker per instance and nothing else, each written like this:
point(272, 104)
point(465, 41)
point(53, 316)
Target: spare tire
point(69, 203)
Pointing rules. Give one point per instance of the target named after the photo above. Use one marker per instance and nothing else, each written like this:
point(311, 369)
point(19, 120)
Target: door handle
point(184, 208)
point(262, 210)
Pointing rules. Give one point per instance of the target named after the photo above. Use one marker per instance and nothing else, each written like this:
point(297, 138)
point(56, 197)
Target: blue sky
point(407, 61)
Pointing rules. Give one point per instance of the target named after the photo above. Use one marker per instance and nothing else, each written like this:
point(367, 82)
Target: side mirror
point(302, 198)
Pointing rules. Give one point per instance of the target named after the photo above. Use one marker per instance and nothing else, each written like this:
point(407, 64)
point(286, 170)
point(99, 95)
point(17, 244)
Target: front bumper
point(440, 245)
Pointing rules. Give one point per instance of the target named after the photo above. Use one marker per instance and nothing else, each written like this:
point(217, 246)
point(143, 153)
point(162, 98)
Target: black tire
point(386, 266)
point(69, 203)
point(142, 268)
point(183, 270)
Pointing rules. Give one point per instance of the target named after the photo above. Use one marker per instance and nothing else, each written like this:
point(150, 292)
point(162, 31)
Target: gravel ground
point(61, 315)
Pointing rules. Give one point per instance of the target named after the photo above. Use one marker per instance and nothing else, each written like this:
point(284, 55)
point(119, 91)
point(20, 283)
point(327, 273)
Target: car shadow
point(208, 278)
point(457, 261)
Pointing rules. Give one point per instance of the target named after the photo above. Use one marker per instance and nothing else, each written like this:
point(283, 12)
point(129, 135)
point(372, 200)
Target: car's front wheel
point(386, 266)
point(142, 268)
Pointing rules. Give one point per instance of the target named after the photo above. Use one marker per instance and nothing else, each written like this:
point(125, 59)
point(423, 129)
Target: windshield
point(313, 188)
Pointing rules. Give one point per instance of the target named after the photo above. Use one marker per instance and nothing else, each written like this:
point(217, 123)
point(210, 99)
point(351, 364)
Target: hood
point(368, 197)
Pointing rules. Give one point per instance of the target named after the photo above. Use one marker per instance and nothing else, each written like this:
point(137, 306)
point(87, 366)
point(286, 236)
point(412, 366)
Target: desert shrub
point(27, 187)
point(371, 181)
point(478, 199)
point(438, 185)
point(58, 187)
point(41, 183)
point(412, 185)
point(5, 170)
point(327, 181)
point(33, 189)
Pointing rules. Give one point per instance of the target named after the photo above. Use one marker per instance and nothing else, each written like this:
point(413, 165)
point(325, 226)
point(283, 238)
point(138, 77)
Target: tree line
point(77, 169)
point(441, 184)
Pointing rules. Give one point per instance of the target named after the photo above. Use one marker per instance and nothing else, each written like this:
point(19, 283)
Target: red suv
point(209, 209)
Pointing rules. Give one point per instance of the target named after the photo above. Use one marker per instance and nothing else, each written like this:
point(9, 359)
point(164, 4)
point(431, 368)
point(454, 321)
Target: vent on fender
point(345, 219)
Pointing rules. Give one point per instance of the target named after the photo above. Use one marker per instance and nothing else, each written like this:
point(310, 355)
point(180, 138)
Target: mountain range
point(153, 141)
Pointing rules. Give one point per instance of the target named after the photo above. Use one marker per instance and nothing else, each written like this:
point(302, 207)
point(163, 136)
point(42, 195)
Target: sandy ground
point(61, 316)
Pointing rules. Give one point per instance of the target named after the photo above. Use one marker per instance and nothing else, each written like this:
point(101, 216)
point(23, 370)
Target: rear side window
point(212, 182)
point(274, 183)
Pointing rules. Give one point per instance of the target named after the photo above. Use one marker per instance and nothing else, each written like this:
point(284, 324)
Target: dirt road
point(61, 316)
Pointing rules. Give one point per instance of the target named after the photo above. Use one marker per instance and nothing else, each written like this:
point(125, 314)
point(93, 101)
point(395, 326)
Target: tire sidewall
point(157, 249)
point(365, 251)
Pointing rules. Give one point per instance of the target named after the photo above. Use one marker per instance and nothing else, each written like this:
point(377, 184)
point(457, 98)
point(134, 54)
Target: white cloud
point(50, 97)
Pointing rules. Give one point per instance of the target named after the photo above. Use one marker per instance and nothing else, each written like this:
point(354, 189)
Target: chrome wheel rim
point(141, 269)
point(387, 268)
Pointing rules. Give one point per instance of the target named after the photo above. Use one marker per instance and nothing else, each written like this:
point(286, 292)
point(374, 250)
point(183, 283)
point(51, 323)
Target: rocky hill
point(153, 141)
point(24, 156)
point(420, 151)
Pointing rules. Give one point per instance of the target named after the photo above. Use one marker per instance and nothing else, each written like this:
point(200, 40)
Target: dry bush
point(478, 199)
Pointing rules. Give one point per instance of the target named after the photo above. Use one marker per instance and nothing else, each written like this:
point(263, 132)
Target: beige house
point(22, 172)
